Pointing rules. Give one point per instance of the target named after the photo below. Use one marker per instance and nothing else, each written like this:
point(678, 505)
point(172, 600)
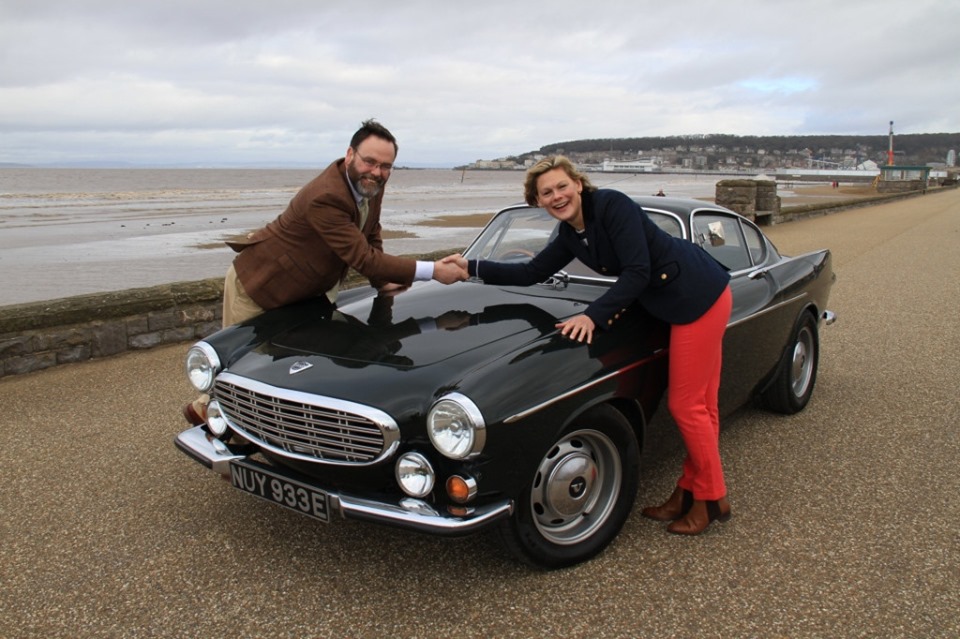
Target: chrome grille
point(303, 425)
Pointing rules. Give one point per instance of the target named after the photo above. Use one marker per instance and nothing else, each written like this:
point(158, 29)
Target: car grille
point(305, 426)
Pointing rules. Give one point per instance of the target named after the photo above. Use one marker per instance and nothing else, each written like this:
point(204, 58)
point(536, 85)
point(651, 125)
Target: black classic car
point(454, 409)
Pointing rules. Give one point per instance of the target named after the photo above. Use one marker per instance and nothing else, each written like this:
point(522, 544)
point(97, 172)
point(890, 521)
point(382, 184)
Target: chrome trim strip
point(583, 387)
point(590, 279)
point(407, 513)
point(389, 428)
point(767, 310)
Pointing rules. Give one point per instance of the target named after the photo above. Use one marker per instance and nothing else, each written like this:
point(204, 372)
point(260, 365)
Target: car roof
point(683, 207)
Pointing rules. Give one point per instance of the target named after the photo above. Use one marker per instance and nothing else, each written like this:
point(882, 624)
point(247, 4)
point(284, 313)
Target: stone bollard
point(768, 202)
point(739, 196)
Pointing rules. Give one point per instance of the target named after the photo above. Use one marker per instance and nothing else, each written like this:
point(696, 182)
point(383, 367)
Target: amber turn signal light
point(461, 489)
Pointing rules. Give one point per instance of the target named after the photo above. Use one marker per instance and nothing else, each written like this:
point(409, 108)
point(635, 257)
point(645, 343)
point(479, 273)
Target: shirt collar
point(356, 196)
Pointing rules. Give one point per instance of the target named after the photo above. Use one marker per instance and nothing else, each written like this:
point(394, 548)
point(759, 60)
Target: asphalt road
point(845, 516)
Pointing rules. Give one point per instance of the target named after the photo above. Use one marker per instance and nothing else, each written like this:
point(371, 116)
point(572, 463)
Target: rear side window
point(722, 237)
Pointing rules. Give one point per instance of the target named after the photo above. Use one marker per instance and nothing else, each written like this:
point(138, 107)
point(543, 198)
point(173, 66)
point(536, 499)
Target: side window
point(721, 237)
point(754, 243)
point(667, 223)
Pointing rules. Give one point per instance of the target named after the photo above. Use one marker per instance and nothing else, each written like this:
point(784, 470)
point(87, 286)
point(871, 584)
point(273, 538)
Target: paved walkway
point(845, 516)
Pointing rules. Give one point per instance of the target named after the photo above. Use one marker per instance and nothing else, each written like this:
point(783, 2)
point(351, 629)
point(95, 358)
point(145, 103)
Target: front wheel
point(796, 375)
point(580, 494)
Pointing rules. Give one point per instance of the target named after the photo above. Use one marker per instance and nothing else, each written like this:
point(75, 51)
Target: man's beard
point(364, 189)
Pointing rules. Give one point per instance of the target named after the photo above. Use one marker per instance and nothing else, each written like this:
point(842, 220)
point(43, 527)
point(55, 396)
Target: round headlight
point(216, 421)
point(202, 366)
point(456, 427)
point(415, 474)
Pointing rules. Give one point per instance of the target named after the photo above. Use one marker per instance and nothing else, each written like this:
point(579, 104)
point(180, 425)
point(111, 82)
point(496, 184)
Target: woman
point(674, 280)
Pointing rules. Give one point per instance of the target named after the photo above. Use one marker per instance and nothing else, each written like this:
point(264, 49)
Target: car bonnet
point(427, 324)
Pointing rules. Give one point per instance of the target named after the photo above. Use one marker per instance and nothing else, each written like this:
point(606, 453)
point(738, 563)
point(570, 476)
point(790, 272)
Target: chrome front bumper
point(409, 513)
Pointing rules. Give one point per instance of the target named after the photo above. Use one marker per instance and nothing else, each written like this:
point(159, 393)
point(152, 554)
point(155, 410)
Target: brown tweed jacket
point(313, 243)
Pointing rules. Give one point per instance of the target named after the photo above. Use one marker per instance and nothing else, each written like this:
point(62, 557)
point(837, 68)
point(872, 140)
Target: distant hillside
point(920, 148)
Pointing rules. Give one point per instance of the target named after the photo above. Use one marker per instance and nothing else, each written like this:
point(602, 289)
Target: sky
point(276, 82)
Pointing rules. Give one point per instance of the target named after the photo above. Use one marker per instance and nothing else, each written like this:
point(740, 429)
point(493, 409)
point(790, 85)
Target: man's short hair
point(372, 127)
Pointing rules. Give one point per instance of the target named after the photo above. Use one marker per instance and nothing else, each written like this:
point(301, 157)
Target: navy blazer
point(675, 280)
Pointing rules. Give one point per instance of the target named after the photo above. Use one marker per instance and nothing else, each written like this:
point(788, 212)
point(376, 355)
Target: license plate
point(280, 490)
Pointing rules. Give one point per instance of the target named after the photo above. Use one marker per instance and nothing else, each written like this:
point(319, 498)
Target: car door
point(751, 347)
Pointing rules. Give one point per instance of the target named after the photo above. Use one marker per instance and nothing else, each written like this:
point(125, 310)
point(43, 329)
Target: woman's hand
point(579, 328)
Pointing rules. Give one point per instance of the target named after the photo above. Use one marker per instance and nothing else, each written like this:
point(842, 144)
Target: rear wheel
point(796, 375)
point(580, 494)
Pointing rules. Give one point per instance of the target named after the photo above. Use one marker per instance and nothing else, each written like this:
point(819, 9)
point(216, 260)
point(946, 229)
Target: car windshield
point(516, 235)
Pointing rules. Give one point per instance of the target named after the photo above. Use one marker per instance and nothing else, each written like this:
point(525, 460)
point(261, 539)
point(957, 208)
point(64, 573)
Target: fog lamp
point(216, 421)
point(461, 489)
point(415, 474)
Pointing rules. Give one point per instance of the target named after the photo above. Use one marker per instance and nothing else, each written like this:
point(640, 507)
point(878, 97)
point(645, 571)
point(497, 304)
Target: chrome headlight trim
point(202, 364)
point(415, 475)
point(456, 427)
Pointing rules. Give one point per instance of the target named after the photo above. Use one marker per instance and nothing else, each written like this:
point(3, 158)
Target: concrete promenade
point(845, 518)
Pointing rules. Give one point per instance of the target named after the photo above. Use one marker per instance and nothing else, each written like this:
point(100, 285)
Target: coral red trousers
point(696, 356)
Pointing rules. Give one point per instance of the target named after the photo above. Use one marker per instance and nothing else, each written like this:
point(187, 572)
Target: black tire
point(579, 495)
point(796, 375)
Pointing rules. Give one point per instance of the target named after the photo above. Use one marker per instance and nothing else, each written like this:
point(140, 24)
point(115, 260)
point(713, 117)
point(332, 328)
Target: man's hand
point(579, 328)
point(457, 259)
point(450, 269)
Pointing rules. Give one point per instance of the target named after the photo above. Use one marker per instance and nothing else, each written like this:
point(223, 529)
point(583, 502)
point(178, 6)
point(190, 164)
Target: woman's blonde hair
point(548, 164)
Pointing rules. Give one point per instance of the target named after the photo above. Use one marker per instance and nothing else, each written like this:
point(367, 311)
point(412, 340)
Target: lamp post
point(890, 147)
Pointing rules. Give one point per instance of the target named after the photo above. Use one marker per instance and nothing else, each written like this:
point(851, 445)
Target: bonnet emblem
point(300, 366)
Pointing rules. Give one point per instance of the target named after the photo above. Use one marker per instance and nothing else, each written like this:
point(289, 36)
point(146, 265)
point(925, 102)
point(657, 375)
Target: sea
point(67, 232)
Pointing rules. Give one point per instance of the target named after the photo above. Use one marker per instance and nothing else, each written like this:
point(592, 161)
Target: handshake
point(452, 268)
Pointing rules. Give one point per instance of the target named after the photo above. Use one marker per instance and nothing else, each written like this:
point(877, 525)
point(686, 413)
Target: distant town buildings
point(696, 155)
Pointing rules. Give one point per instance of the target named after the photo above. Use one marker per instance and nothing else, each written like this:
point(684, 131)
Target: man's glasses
point(385, 167)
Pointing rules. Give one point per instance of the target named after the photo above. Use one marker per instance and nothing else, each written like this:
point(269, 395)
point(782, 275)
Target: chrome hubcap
point(802, 363)
point(576, 487)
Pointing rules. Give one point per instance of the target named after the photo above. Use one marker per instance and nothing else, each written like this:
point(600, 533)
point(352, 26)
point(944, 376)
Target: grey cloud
point(289, 80)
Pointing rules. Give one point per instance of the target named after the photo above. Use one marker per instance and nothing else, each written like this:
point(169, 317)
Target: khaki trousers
point(237, 307)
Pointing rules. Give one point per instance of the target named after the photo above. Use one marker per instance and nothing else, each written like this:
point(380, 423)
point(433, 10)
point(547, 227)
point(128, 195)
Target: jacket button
point(663, 276)
point(610, 322)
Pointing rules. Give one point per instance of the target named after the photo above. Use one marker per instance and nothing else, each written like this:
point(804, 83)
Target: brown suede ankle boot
point(674, 508)
point(700, 515)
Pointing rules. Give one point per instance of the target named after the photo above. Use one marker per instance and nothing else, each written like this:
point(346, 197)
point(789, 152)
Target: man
point(330, 226)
